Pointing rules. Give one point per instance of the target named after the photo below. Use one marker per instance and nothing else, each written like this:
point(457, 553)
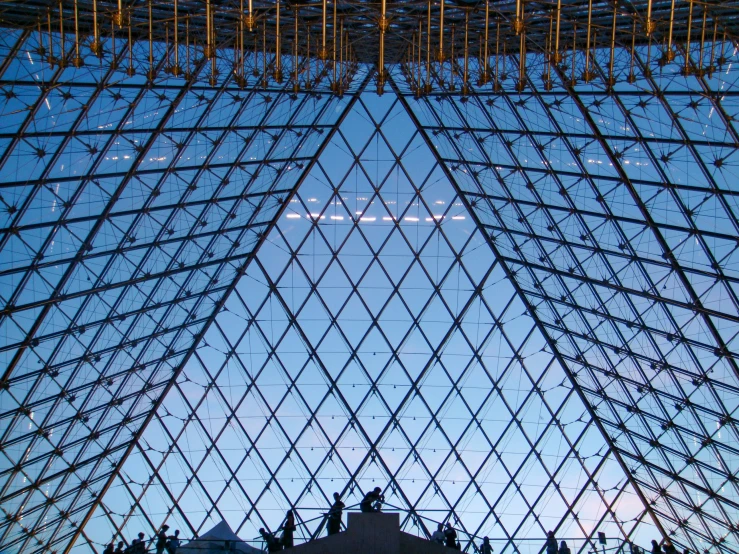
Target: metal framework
point(515, 307)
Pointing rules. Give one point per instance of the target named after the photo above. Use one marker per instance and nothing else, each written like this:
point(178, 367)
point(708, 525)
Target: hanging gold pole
point(557, 53)
point(485, 68)
point(333, 46)
point(496, 81)
point(187, 74)
point(383, 25)
point(573, 79)
point(62, 51)
point(669, 53)
point(701, 51)
point(651, 25)
point(588, 75)
point(265, 74)
point(686, 69)
point(96, 47)
point(176, 69)
point(250, 20)
point(130, 70)
point(465, 82)
point(711, 67)
point(50, 57)
point(611, 76)
point(427, 87)
point(278, 45)
point(631, 79)
point(208, 34)
point(77, 61)
point(323, 53)
point(521, 83)
point(440, 52)
point(118, 16)
point(340, 84)
point(296, 76)
point(151, 74)
point(518, 20)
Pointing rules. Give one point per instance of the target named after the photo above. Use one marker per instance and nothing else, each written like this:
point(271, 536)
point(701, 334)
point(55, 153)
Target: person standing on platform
point(450, 536)
point(485, 547)
point(551, 544)
point(438, 535)
point(173, 542)
point(334, 515)
point(372, 501)
point(564, 549)
point(655, 547)
point(120, 548)
point(161, 539)
point(109, 548)
point(288, 540)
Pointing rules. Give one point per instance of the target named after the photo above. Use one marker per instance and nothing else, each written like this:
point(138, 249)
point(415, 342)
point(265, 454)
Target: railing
point(469, 543)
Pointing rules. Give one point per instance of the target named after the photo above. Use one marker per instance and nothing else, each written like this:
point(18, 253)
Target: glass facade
point(513, 310)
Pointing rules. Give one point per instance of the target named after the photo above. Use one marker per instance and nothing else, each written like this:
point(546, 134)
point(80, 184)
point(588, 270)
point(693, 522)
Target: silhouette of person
point(551, 544)
point(450, 536)
point(485, 547)
point(288, 529)
point(334, 515)
point(563, 548)
point(438, 535)
point(161, 539)
point(372, 501)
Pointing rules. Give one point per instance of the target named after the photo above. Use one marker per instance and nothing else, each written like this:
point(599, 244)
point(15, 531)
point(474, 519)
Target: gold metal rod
point(176, 68)
point(497, 52)
point(264, 54)
point(208, 33)
point(77, 59)
point(40, 49)
point(587, 40)
point(701, 51)
point(451, 65)
point(441, 31)
point(334, 41)
point(466, 50)
point(341, 55)
point(419, 54)
point(518, 20)
point(632, 76)
point(131, 70)
point(151, 43)
point(522, 63)
point(713, 48)
point(296, 81)
point(50, 57)
point(96, 46)
point(669, 54)
point(323, 54)
point(574, 53)
point(62, 52)
point(278, 44)
point(118, 19)
point(485, 68)
point(611, 76)
point(187, 46)
point(557, 56)
point(687, 37)
point(428, 48)
point(650, 23)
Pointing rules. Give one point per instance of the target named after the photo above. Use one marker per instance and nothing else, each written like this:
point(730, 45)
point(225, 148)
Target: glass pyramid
point(514, 311)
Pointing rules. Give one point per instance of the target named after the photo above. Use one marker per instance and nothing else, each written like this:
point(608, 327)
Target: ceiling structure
point(505, 288)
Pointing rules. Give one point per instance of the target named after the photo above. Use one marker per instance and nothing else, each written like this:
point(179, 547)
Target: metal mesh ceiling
point(517, 309)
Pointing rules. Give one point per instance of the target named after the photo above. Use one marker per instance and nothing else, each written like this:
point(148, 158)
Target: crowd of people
point(371, 502)
point(163, 543)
